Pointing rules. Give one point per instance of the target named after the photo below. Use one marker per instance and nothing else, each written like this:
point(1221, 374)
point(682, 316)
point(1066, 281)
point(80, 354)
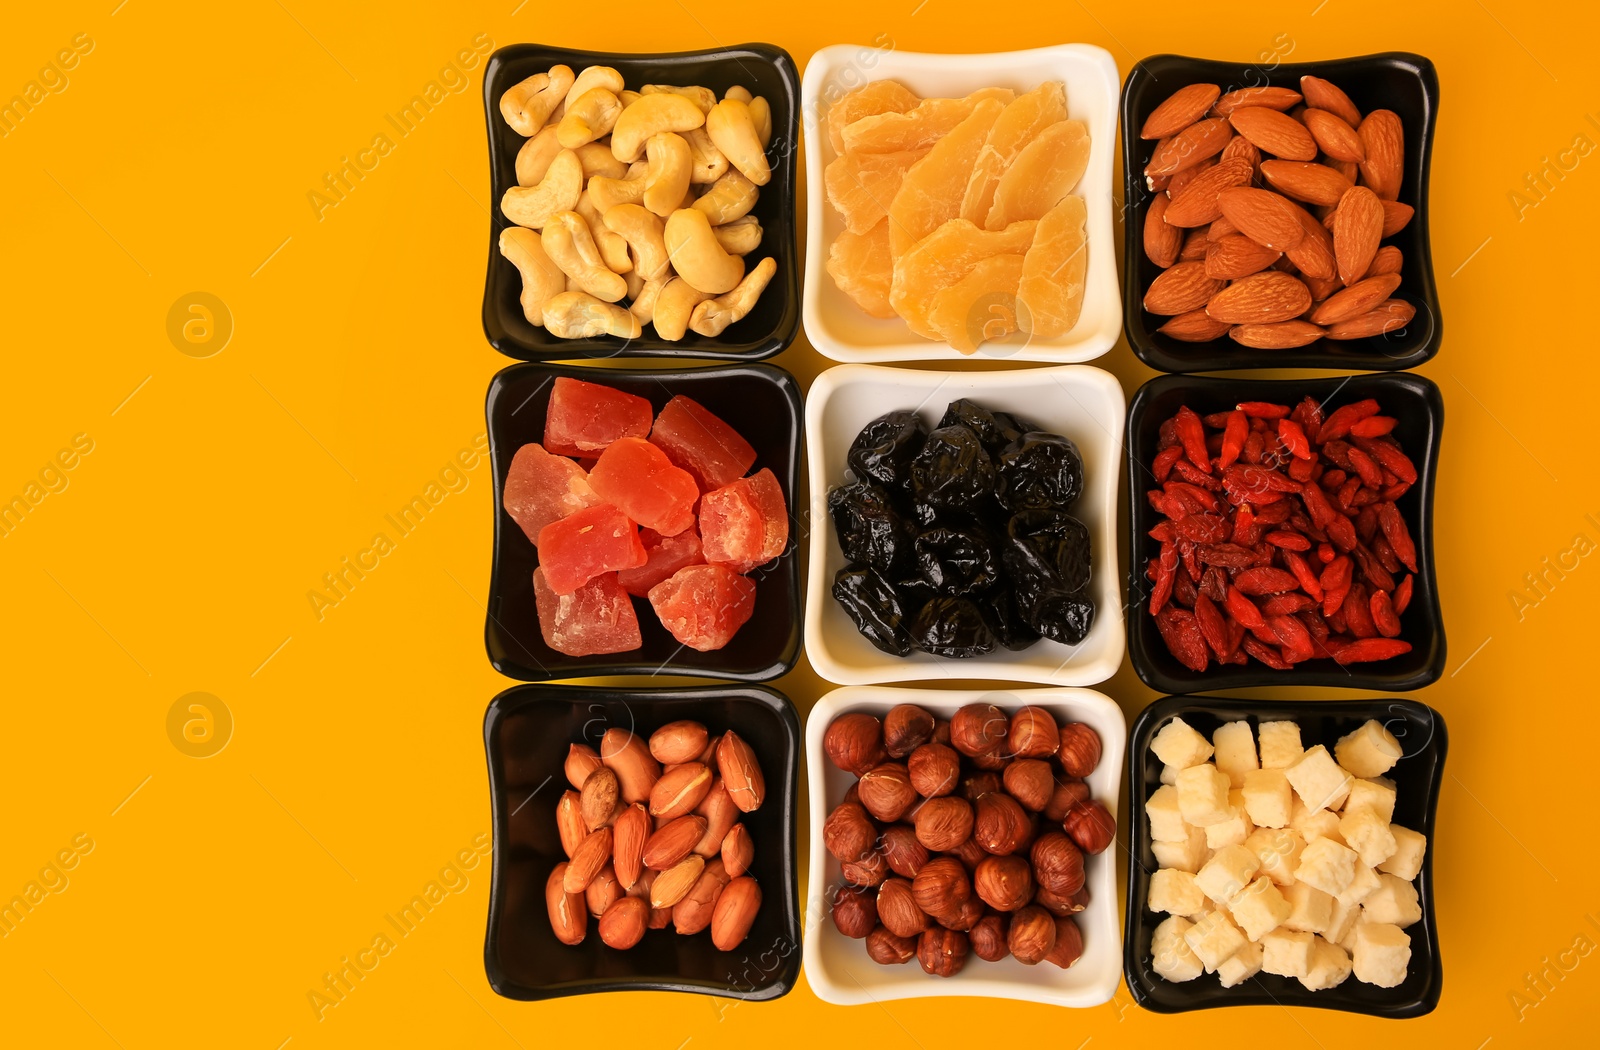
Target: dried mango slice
point(859, 264)
point(880, 96)
point(1053, 271)
point(1044, 172)
point(931, 193)
point(919, 128)
point(980, 306)
point(1022, 120)
point(861, 186)
point(944, 257)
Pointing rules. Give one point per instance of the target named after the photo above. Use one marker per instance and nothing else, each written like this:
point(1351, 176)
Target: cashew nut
point(729, 197)
point(627, 98)
point(591, 77)
point(667, 178)
point(697, 256)
point(569, 243)
point(534, 158)
point(739, 237)
point(738, 91)
point(761, 116)
point(705, 98)
point(527, 105)
point(714, 315)
point(644, 234)
point(613, 249)
point(733, 129)
point(644, 303)
point(593, 115)
point(574, 315)
point(674, 306)
point(652, 115)
point(608, 193)
point(541, 277)
point(707, 164)
point(597, 159)
point(635, 283)
point(558, 191)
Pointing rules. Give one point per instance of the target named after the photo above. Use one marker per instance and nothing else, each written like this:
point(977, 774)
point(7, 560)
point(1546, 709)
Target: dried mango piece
point(1021, 122)
point(944, 257)
point(980, 306)
point(918, 128)
point(880, 96)
point(1044, 172)
point(859, 264)
point(931, 193)
point(1053, 271)
point(861, 186)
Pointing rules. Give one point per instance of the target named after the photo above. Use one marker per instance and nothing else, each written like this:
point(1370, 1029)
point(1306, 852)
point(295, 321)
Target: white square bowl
point(837, 966)
point(840, 329)
point(1079, 402)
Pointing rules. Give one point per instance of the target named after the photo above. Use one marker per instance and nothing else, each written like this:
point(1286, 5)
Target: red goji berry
point(1296, 640)
point(1385, 554)
point(1302, 572)
point(1266, 654)
point(1372, 569)
point(1302, 469)
point(1236, 634)
point(1357, 611)
point(1317, 505)
point(1265, 581)
point(1363, 497)
point(1216, 420)
point(1203, 528)
point(1383, 614)
point(1315, 624)
point(1346, 493)
point(1367, 523)
point(1341, 419)
point(1326, 553)
point(1335, 583)
point(1192, 474)
point(1294, 438)
point(1191, 562)
point(1386, 452)
point(1332, 479)
point(1197, 497)
point(1391, 493)
point(1399, 537)
point(1402, 596)
point(1366, 649)
point(1214, 583)
point(1192, 435)
point(1184, 590)
point(1226, 555)
point(1162, 533)
point(1234, 433)
point(1161, 466)
point(1166, 571)
point(1341, 532)
point(1367, 467)
point(1373, 426)
point(1181, 631)
point(1262, 409)
point(1285, 604)
point(1276, 514)
point(1253, 446)
point(1212, 626)
point(1292, 541)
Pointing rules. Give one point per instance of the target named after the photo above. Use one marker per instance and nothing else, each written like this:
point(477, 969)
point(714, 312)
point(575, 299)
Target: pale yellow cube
point(1187, 855)
point(1348, 941)
point(1367, 832)
point(1178, 744)
point(1330, 966)
point(1169, 774)
point(1310, 910)
point(1234, 830)
point(1174, 892)
point(1345, 917)
point(1409, 848)
point(1376, 794)
point(1213, 938)
point(1235, 748)
point(1170, 954)
point(1286, 953)
point(1268, 799)
point(1240, 966)
point(1369, 751)
point(1361, 886)
point(1227, 872)
point(1278, 852)
point(1318, 779)
point(1382, 954)
point(1203, 795)
point(1327, 865)
point(1314, 824)
point(1166, 820)
point(1394, 901)
point(1259, 908)
point(1280, 744)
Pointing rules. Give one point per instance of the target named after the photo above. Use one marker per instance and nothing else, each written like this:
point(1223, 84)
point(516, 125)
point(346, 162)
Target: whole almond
point(735, 913)
point(680, 790)
point(1383, 137)
point(1334, 137)
point(1180, 109)
point(1268, 218)
point(1395, 217)
point(693, 913)
point(592, 854)
point(1197, 142)
point(1321, 287)
point(1323, 94)
point(1237, 256)
point(1312, 183)
point(674, 884)
point(1261, 299)
point(1276, 133)
point(1280, 335)
point(741, 773)
point(676, 742)
point(603, 891)
point(627, 756)
point(1181, 180)
point(1241, 148)
point(672, 842)
point(1388, 317)
point(581, 761)
point(1219, 229)
point(721, 815)
point(623, 924)
point(569, 916)
point(628, 835)
point(1359, 298)
point(1313, 256)
point(569, 821)
point(1279, 98)
point(1194, 246)
point(598, 799)
point(1195, 326)
point(898, 910)
point(1181, 288)
point(1197, 204)
point(1388, 260)
point(737, 851)
point(1357, 229)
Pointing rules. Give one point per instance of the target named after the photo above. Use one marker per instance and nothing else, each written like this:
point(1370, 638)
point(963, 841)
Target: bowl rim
point(886, 669)
point(512, 699)
point(506, 531)
point(1088, 347)
point(917, 985)
point(1226, 355)
point(1137, 823)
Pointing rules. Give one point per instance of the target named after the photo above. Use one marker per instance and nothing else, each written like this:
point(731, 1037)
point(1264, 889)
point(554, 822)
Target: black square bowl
point(1417, 776)
point(1411, 399)
point(1395, 80)
point(761, 402)
point(765, 70)
point(526, 733)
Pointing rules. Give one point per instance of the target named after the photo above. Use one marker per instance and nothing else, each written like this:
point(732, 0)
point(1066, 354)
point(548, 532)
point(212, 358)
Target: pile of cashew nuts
point(638, 195)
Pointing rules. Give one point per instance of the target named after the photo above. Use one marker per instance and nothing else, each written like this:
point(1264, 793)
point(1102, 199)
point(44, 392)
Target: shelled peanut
point(653, 837)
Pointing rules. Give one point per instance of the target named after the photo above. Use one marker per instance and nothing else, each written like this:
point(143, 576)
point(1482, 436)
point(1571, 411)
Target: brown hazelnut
point(988, 938)
point(965, 917)
point(980, 783)
point(1061, 905)
point(1068, 948)
point(941, 732)
point(1032, 934)
point(1080, 749)
point(852, 794)
point(904, 854)
point(941, 886)
point(944, 823)
point(848, 832)
point(888, 949)
point(869, 871)
point(886, 791)
point(935, 770)
point(1057, 863)
point(905, 728)
point(1030, 782)
point(678, 742)
point(1003, 883)
point(898, 910)
point(855, 912)
point(970, 854)
point(1065, 795)
point(1091, 826)
point(978, 729)
point(854, 743)
point(1033, 734)
point(991, 761)
point(1000, 824)
point(942, 952)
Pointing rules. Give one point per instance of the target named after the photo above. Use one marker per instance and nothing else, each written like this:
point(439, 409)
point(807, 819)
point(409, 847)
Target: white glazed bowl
point(837, 966)
point(1077, 401)
point(840, 329)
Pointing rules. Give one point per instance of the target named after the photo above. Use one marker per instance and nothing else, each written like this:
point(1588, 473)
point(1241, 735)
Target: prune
point(987, 425)
point(1040, 472)
point(869, 528)
point(952, 627)
point(870, 601)
point(1064, 618)
point(1013, 427)
point(1047, 563)
point(999, 608)
point(953, 471)
point(956, 561)
point(884, 449)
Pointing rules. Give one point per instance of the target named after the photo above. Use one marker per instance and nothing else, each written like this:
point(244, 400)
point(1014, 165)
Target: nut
point(988, 938)
point(569, 916)
point(598, 800)
point(569, 821)
point(709, 755)
point(970, 854)
point(741, 773)
point(847, 833)
point(854, 743)
point(942, 952)
point(680, 790)
point(693, 913)
point(992, 761)
point(905, 728)
point(941, 886)
point(628, 757)
point(869, 870)
point(1003, 883)
point(1091, 826)
point(1068, 948)
point(696, 254)
point(901, 850)
point(1066, 794)
point(624, 923)
point(675, 742)
point(1032, 935)
point(581, 761)
point(673, 841)
point(712, 317)
point(1001, 825)
point(735, 913)
point(1059, 905)
point(721, 815)
point(966, 915)
point(592, 854)
point(935, 770)
point(674, 884)
point(886, 791)
point(1057, 863)
point(1033, 733)
point(628, 835)
point(976, 785)
point(1080, 749)
point(855, 911)
point(737, 851)
point(941, 731)
point(1030, 782)
point(978, 729)
point(898, 910)
point(944, 823)
point(887, 949)
point(641, 888)
point(660, 918)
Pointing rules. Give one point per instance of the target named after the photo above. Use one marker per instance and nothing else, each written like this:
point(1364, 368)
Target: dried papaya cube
point(710, 450)
point(664, 555)
point(639, 480)
point(703, 606)
point(541, 488)
point(596, 618)
point(584, 545)
point(745, 524)
point(584, 418)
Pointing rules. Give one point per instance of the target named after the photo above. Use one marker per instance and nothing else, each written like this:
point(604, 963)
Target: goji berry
point(1161, 467)
point(1332, 479)
point(1264, 581)
point(1266, 654)
point(1335, 583)
point(1262, 409)
point(1167, 435)
point(1383, 614)
point(1181, 631)
point(1326, 553)
point(1226, 555)
point(1190, 473)
point(1372, 569)
point(1191, 562)
point(1308, 413)
point(1302, 572)
point(1276, 514)
point(1399, 537)
point(1212, 626)
point(1346, 493)
point(1296, 640)
point(1213, 582)
point(1341, 532)
point(1395, 491)
point(1367, 467)
point(1387, 453)
point(1285, 604)
point(1243, 609)
point(1293, 437)
point(1402, 596)
point(1341, 419)
point(1253, 446)
point(1184, 590)
point(1234, 433)
point(1357, 611)
point(1202, 498)
point(1236, 634)
point(1292, 541)
point(1373, 426)
point(1166, 570)
point(1192, 435)
point(1302, 469)
point(1385, 554)
point(1366, 649)
point(1162, 533)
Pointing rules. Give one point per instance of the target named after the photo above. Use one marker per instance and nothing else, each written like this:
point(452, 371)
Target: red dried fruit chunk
point(1181, 631)
point(744, 524)
point(1364, 649)
point(583, 418)
point(1265, 581)
point(664, 556)
point(703, 606)
point(584, 545)
point(697, 441)
point(638, 479)
point(541, 488)
point(596, 618)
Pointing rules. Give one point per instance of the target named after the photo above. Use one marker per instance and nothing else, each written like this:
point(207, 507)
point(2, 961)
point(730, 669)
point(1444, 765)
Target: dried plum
point(952, 627)
point(869, 528)
point(956, 561)
point(1047, 564)
point(953, 471)
point(870, 601)
point(1040, 472)
point(1064, 618)
point(999, 608)
point(884, 449)
point(987, 425)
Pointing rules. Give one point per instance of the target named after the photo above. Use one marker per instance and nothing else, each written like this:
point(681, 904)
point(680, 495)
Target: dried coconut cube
point(1166, 820)
point(1213, 938)
point(1366, 832)
point(1343, 920)
point(1170, 954)
point(1361, 886)
point(1370, 751)
point(1409, 848)
point(1173, 891)
point(1286, 953)
point(1314, 824)
point(1278, 851)
point(1395, 901)
point(1280, 744)
point(1178, 744)
point(1234, 830)
point(1375, 793)
point(1348, 941)
point(1330, 966)
point(1318, 779)
point(1188, 855)
point(1240, 966)
point(1203, 795)
point(1227, 872)
point(1268, 799)
point(1259, 908)
point(1235, 750)
point(1310, 909)
point(1327, 865)
point(1169, 774)
point(1382, 954)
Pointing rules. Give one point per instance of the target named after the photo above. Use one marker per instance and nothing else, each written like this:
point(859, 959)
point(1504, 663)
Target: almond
point(1269, 219)
point(1198, 142)
point(1321, 287)
point(592, 854)
point(1196, 326)
point(1181, 109)
point(741, 773)
point(1334, 137)
point(1395, 217)
point(1361, 297)
point(623, 925)
point(1161, 241)
point(1280, 335)
point(627, 756)
point(1181, 288)
point(1237, 256)
point(1357, 229)
point(1383, 136)
point(1313, 256)
point(598, 799)
point(1276, 133)
point(1196, 204)
point(1243, 149)
point(1312, 183)
point(1388, 260)
point(1219, 229)
point(675, 742)
point(1323, 94)
point(628, 835)
point(674, 884)
point(721, 815)
point(673, 841)
point(1180, 181)
point(569, 916)
point(581, 761)
point(693, 913)
point(1193, 250)
point(735, 913)
point(1279, 98)
point(1389, 317)
point(1260, 299)
point(737, 851)
point(680, 790)
point(569, 821)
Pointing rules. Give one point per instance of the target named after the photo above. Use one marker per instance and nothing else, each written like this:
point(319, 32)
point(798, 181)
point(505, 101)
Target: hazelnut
point(935, 770)
point(898, 910)
point(1057, 863)
point(886, 791)
point(848, 832)
point(901, 850)
point(981, 783)
point(970, 854)
point(852, 794)
point(1003, 883)
point(942, 952)
point(944, 823)
point(1030, 782)
point(1091, 826)
point(941, 886)
point(870, 870)
point(1080, 749)
point(1061, 905)
point(678, 742)
point(888, 949)
point(906, 728)
point(941, 732)
point(1066, 794)
point(978, 729)
point(992, 761)
point(1032, 935)
point(1000, 825)
point(988, 938)
point(854, 742)
point(965, 917)
point(1033, 734)
point(855, 912)
point(1068, 948)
